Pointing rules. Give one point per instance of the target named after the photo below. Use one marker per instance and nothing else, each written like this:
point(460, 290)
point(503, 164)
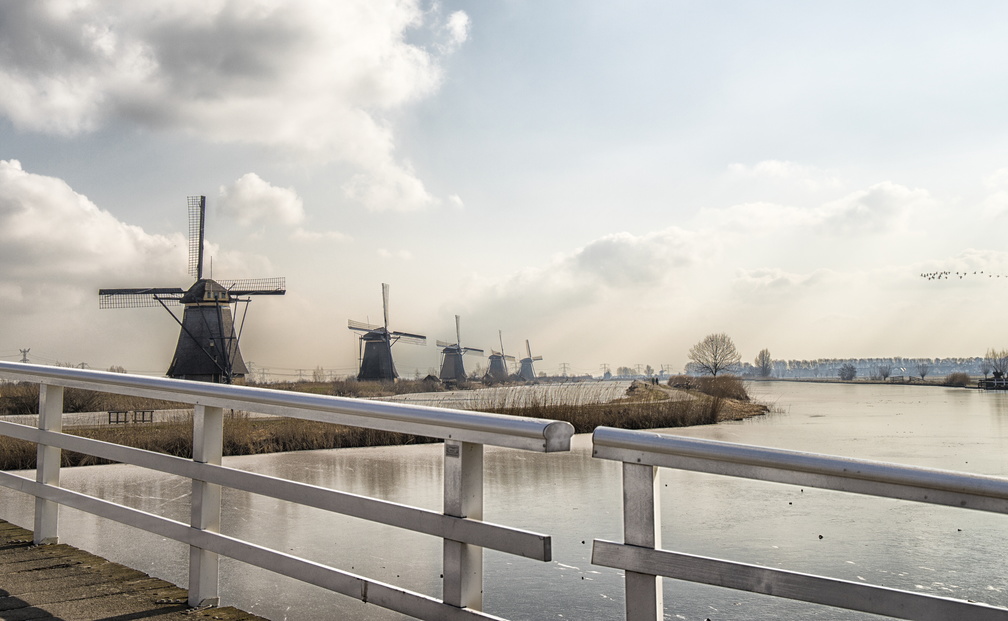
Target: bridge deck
point(62, 582)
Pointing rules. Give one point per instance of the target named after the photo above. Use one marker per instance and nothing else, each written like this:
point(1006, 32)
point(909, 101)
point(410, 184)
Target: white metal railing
point(645, 563)
point(460, 526)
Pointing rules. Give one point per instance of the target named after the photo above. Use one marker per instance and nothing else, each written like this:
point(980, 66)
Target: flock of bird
point(960, 275)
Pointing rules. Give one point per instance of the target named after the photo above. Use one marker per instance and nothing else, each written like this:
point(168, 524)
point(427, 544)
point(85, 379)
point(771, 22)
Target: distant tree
point(625, 372)
point(923, 369)
point(985, 368)
point(115, 368)
point(763, 363)
point(847, 372)
point(649, 370)
point(318, 375)
point(715, 353)
point(998, 360)
point(884, 371)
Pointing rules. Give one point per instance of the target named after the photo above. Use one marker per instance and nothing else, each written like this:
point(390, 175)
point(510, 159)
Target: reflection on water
point(576, 498)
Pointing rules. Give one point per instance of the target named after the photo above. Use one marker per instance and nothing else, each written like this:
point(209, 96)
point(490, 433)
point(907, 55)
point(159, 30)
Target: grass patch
point(957, 379)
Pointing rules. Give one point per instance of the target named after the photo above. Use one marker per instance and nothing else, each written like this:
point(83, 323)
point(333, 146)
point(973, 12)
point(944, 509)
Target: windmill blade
point(360, 325)
point(412, 339)
point(534, 358)
point(255, 286)
point(197, 216)
point(458, 330)
point(509, 358)
point(472, 350)
point(441, 343)
point(139, 298)
point(528, 348)
point(384, 295)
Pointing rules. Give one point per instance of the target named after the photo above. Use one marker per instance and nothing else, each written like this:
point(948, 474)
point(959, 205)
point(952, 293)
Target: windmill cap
point(204, 291)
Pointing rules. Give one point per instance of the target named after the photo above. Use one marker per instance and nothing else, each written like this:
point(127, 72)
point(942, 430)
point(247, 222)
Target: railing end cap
point(558, 436)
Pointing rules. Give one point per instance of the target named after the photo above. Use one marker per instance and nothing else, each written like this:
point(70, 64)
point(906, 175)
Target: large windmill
point(526, 372)
point(452, 369)
point(207, 348)
point(376, 345)
point(498, 371)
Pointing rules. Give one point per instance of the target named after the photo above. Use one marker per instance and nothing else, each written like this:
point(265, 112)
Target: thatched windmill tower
point(498, 370)
point(527, 372)
point(452, 368)
point(375, 345)
point(207, 348)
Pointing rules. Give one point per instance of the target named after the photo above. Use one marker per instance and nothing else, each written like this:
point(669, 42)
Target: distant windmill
point(377, 341)
point(526, 372)
point(207, 348)
point(452, 369)
point(498, 371)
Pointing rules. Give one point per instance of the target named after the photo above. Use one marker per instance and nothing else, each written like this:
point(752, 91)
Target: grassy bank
point(644, 406)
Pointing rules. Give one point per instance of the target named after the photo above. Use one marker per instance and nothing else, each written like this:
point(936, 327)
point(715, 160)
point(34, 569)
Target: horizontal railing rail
point(460, 525)
point(645, 563)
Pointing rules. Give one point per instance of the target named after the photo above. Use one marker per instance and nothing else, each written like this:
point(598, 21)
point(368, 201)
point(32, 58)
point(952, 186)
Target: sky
point(609, 181)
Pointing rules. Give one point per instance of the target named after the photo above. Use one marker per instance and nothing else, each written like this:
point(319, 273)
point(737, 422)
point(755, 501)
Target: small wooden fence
point(460, 526)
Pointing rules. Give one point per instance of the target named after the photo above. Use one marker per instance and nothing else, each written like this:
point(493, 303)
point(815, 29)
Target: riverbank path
point(64, 583)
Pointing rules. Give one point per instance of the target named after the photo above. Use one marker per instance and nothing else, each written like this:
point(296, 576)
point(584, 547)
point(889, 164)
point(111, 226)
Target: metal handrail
point(643, 560)
point(531, 434)
point(460, 525)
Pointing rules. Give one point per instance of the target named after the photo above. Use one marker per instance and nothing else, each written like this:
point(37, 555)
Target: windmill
point(376, 343)
point(526, 372)
point(452, 369)
point(207, 348)
point(498, 371)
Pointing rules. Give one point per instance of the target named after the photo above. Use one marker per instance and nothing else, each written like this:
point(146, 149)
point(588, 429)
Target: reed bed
point(243, 435)
point(584, 405)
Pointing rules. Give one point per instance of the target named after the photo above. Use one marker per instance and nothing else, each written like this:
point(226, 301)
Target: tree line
point(716, 353)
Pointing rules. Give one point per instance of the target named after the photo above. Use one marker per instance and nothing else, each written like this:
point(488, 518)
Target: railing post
point(642, 527)
point(47, 463)
point(463, 497)
point(208, 447)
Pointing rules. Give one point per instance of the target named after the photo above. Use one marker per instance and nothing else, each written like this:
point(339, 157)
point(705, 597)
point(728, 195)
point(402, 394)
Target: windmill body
point(376, 363)
point(452, 364)
point(207, 348)
point(527, 371)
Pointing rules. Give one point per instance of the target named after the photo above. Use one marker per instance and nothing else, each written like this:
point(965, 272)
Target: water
point(576, 498)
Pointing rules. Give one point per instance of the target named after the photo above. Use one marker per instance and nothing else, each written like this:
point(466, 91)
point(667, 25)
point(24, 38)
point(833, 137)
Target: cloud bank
point(308, 77)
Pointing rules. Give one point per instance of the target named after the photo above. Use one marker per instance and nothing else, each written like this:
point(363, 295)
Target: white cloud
point(623, 260)
point(882, 208)
point(301, 234)
point(50, 236)
point(308, 76)
point(250, 200)
point(403, 255)
point(810, 177)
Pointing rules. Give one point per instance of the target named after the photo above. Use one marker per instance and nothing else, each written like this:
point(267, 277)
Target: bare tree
point(763, 363)
point(998, 360)
point(884, 371)
point(985, 368)
point(922, 369)
point(847, 372)
point(715, 353)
